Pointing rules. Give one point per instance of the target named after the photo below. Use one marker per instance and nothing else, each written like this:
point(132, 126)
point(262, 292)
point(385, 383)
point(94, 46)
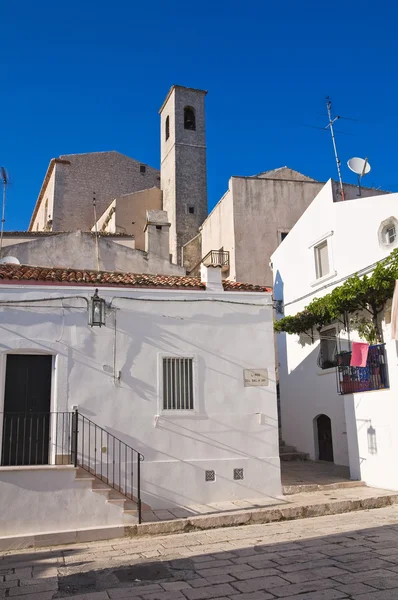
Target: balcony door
point(26, 419)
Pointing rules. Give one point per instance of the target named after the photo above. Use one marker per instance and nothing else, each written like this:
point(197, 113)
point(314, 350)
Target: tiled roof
point(26, 274)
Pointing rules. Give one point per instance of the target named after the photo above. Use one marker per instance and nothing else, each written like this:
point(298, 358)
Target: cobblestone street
point(352, 555)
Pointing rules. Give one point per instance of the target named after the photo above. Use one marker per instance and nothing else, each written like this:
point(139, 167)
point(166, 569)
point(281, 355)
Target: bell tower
point(183, 164)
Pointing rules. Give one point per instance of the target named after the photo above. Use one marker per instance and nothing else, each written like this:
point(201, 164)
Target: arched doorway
point(325, 441)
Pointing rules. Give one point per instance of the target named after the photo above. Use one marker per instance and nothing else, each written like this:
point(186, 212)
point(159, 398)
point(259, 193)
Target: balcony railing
point(374, 376)
point(214, 258)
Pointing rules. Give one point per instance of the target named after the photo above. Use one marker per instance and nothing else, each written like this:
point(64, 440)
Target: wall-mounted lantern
point(97, 311)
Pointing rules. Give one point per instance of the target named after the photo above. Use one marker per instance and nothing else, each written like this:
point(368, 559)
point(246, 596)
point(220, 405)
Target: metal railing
point(70, 438)
point(215, 258)
point(107, 458)
point(36, 438)
point(374, 376)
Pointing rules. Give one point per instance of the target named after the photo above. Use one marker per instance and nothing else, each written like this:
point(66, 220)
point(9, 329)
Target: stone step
point(294, 456)
point(298, 488)
point(283, 449)
point(300, 506)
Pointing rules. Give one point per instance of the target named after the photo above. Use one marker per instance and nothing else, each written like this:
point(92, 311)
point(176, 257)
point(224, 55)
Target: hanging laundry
point(359, 354)
point(394, 314)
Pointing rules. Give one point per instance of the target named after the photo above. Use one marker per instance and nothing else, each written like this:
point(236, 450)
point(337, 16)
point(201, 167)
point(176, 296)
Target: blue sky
point(88, 76)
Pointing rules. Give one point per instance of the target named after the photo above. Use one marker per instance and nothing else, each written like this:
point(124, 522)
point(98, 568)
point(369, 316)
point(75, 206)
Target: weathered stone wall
point(183, 166)
point(108, 174)
point(78, 250)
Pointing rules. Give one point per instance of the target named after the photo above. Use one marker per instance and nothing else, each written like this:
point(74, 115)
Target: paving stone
point(320, 595)
point(253, 596)
point(90, 596)
point(384, 595)
point(355, 588)
point(49, 581)
point(43, 586)
point(8, 584)
point(300, 588)
point(375, 563)
point(383, 583)
point(133, 591)
point(262, 583)
point(175, 586)
point(212, 580)
point(255, 573)
point(38, 596)
point(162, 596)
point(362, 576)
point(316, 564)
point(309, 574)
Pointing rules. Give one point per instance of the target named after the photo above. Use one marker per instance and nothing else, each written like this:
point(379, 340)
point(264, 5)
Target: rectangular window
point(142, 168)
point(177, 384)
point(321, 260)
point(328, 349)
point(191, 210)
point(391, 235)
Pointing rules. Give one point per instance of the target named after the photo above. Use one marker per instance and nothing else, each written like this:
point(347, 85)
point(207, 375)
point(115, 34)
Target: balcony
point(214, 258)
point(351, 380)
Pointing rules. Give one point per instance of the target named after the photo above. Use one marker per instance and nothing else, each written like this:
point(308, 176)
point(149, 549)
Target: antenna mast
point(96, 230)
point(330, 125)
point(4, 178)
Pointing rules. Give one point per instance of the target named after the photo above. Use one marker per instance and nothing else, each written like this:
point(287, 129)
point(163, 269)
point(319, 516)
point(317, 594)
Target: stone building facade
point(183, 164)
point(65, 202)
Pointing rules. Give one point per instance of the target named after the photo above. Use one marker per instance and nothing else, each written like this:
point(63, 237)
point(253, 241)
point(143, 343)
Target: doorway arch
point(324, 437)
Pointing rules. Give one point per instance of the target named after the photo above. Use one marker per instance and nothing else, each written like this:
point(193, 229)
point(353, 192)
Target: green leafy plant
point(362, 298)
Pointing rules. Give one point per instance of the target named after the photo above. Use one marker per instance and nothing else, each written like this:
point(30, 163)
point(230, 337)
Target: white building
point(173, 375)
point(332, 241)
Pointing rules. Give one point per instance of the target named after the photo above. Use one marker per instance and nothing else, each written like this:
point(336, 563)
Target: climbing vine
point(361, 299)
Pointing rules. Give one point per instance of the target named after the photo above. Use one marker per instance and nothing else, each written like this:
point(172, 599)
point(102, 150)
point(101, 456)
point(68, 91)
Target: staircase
point(111, 496)
point(113, 467)
point(289, 453)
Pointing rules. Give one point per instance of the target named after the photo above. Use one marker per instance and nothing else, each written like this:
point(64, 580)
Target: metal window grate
point(177, 384)
point(210, 475)
point(238, 474)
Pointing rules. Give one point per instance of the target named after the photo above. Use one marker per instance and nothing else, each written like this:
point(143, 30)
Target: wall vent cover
point(210, 475)
point(238, 474)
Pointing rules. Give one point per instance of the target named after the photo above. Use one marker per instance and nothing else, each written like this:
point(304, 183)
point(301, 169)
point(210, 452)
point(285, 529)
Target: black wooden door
point(26, 424)
point(325, 441)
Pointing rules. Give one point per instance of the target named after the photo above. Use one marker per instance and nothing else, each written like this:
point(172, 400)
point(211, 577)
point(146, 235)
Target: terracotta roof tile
point(23, 274)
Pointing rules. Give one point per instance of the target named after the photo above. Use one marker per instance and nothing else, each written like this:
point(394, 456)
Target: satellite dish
point(9, 260)
point(361, 167)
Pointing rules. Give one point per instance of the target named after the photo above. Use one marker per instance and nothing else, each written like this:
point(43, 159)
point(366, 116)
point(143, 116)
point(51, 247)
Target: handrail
point(70, 438)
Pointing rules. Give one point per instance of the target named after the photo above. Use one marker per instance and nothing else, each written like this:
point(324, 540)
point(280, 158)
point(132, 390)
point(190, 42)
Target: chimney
point(157, 233)
point(211, 276)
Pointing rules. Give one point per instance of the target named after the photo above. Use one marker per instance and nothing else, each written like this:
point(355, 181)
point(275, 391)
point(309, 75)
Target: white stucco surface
point(231, 426)
point(39, 500)
point(362, 423)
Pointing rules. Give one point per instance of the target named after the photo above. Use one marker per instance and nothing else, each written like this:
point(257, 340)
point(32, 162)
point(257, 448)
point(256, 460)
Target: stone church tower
point(183, 164)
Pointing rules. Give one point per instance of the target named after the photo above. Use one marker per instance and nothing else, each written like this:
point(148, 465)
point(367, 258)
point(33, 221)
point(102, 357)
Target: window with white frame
point(322, 260)
point(178, 383)
point(328, 349)
point(388, 232)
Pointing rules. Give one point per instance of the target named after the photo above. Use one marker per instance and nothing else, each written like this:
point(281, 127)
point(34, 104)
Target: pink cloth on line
point(359, 354)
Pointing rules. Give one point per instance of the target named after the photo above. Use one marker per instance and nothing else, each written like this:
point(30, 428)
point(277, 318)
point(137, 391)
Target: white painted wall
point(218, 231)
point(306, 390)
point(224, 432)
point(44, 499)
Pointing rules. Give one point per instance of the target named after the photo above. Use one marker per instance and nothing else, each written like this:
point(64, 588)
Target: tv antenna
point(359, 166)
point(4, 179)
point(330, 126)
